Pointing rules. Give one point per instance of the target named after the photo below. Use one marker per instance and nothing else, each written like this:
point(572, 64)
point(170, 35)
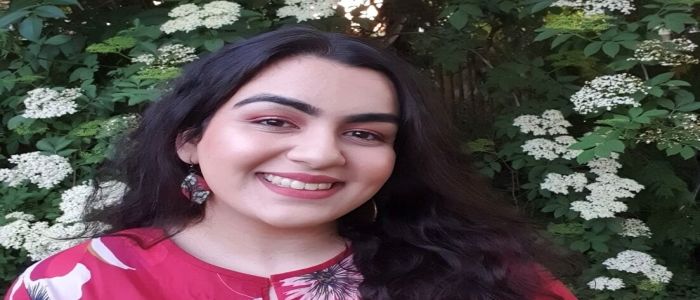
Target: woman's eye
point(364, 135)
point(275, 123)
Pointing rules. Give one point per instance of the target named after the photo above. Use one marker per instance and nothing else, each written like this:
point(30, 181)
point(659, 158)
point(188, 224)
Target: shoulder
point(552, 288)
point(62, 275)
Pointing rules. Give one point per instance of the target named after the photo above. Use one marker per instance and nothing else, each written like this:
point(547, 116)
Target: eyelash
point(352, 133)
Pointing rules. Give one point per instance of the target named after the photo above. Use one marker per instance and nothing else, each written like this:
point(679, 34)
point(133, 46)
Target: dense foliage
point(587, 114)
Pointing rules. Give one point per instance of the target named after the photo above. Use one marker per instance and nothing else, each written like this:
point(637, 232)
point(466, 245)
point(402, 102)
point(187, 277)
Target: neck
point(253, 247)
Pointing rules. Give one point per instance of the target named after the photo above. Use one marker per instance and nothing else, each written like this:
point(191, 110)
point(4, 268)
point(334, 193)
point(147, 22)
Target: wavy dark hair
point(440, 232)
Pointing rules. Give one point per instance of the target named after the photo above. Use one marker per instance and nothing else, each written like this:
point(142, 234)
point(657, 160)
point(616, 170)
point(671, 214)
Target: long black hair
point(439, 234)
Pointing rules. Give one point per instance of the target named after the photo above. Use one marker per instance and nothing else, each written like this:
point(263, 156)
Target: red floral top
point(119, 267)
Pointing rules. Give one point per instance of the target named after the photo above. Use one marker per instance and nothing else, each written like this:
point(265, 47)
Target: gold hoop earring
point(375, 211)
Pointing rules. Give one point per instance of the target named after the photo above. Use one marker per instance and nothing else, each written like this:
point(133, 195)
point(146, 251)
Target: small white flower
point(635, 228)
point(604, 165)
point(599, 209)
point(43, 240)
point(12, 234)
point(593, 7)
point(671, 53)
point(304, 10)
point(147, 59)
point(541, 148)
point(551, 122)
point(632, 261)
point(560, 184)
point(168, 56)
point(610, 187)
point(212, 15)
point(43, 103)
point(20, 215)
point(183, 10)
point(74, 200)
point(607, 92)
point(606, 283)
point(43, 170)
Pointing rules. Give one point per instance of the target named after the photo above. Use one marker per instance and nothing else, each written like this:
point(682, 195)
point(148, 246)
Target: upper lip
point(304, 177)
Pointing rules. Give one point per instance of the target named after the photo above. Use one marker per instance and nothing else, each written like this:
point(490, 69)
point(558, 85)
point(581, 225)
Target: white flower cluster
point(560, 184)
point(541, 148)
point(605, 165)
point(607, 92)
point(606, 283)
point(594, 7)
point(605, 191)
point(118, 124)
point(40, 239)
point(635, 228)
point(74, 200)
point(671, 53)
point(43, 170)
point(304, 10)
point(168, 55)
point(639, 262)
point(213, 15)
point(43, 103)
point(551, 122)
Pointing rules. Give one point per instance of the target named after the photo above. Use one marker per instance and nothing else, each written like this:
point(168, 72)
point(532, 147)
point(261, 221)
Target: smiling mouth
point(296, 184)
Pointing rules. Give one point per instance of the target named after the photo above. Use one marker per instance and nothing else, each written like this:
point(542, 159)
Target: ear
point(187, 151)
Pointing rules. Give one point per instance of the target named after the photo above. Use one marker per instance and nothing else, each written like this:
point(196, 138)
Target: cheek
point(374, 167)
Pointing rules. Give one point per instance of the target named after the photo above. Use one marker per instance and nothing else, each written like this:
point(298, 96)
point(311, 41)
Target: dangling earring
point(194, 187)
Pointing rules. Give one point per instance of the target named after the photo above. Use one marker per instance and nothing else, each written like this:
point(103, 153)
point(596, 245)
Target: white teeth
point(295, 184)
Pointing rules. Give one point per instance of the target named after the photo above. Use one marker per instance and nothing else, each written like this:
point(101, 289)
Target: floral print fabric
point(140, 264)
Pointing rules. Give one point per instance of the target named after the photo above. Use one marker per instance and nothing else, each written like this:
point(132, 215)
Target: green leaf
point(635, 111)
point(58, 39)
point(674, 149)
point(545, 34)
point(581, 246)
point(16, 121)
point(599, 247)
point(615, 145)
point(602, 150)
point(683, 97)
point(656, 91)
point(687, 152)
point(689, 107)
point(459, 19)
point(213, 45)
point(541, 5)
point(655, 113)
point(661, 78)
point(50, 11)
point(585, 156)
point(666, 103)
point(560, 39)
point(471, 9)
point(62, 2)
point(30, 28)
point(592, 48)
point(611, 48)
point(677, 83)
point(12, 17)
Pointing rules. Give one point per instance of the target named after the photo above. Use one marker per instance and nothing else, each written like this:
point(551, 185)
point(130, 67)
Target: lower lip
point(303, 194)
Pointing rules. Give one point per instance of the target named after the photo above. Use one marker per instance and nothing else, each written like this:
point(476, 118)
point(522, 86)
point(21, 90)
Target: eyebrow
point(315, 111)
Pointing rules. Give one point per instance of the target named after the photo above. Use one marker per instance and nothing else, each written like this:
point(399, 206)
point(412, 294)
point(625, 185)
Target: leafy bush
point(592, 125)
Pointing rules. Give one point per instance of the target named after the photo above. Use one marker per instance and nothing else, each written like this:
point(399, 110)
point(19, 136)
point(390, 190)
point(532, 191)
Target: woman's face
point(301, 144)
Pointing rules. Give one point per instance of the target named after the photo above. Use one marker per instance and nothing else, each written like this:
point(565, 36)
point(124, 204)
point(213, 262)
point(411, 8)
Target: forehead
point(324, 83)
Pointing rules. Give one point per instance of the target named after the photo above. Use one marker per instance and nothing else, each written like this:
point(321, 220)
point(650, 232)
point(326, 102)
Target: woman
point(312, 166)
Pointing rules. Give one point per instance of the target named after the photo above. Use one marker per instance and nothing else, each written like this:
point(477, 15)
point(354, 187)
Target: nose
point(317, 149)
